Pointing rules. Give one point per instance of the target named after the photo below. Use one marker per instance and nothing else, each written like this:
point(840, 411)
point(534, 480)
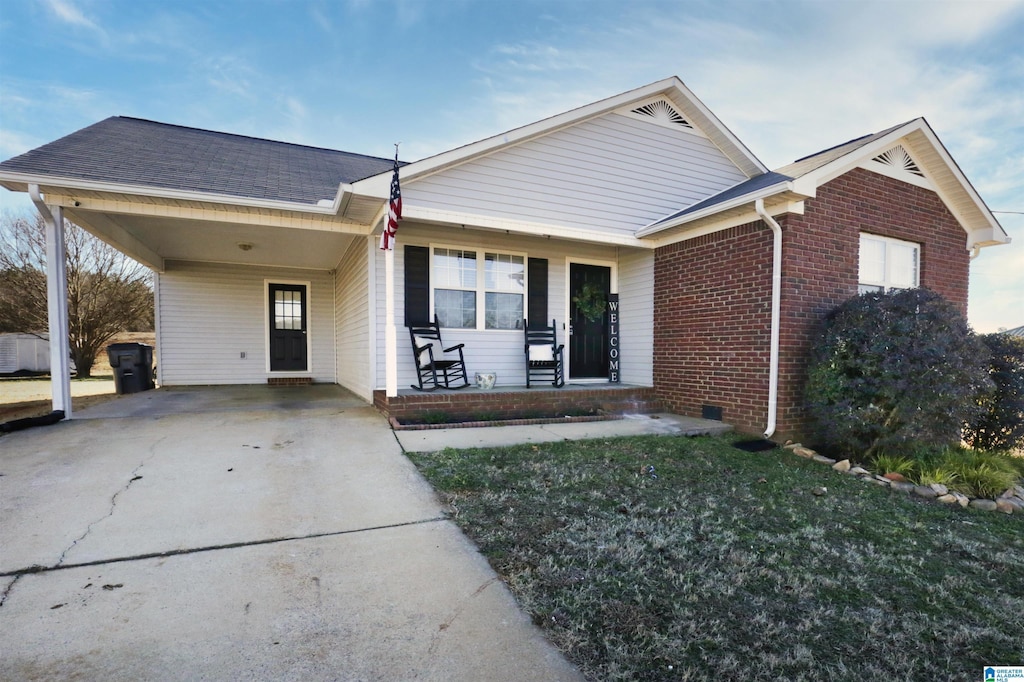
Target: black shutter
point(417, 285)
point(537, 297)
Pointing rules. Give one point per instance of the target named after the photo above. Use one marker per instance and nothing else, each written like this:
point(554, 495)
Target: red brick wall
point(712, 322)
point(713, 294)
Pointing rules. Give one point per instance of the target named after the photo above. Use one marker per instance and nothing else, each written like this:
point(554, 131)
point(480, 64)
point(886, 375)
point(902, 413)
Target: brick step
point(470, 405)
point(289, 381)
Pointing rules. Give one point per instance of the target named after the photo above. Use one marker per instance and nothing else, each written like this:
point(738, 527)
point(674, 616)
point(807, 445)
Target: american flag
point(387, 237)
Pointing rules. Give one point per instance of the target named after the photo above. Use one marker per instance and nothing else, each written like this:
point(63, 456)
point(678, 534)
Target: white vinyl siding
point(210, 314)
point(352, 320)
point(636, 319)
point(500, 350)
point(610, 175)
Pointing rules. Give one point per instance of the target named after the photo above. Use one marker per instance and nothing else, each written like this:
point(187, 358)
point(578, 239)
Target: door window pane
point(287, 310)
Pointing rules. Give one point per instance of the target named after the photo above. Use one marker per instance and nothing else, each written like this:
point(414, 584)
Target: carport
point(199, 207)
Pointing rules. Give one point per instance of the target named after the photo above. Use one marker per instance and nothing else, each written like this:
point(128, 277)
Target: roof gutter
point(37, 199)
point(773, 363)
point(324, 206)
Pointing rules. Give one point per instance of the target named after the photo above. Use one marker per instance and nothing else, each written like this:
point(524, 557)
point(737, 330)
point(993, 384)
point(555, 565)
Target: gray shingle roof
point(817, 160)
point(746, 187)
point(135, 151)
point(791, 171)
point(1016, 331)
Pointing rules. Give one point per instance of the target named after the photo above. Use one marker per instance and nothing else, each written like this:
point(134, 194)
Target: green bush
point(1000, 425)
point(894, 369)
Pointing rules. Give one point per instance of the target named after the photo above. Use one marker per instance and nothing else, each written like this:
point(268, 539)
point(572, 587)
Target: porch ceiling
point(154, 239)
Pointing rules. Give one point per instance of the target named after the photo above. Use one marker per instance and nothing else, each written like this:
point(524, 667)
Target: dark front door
point(589, 286)
point(288, 328)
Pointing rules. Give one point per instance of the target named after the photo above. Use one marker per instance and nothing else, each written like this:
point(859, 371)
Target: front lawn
point(667, 558)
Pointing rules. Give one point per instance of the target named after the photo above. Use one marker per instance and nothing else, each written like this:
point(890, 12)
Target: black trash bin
point(133, 367)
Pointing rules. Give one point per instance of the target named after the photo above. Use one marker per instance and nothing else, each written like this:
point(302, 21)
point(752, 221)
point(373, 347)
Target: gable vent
point(898, 158)
point(663, 113)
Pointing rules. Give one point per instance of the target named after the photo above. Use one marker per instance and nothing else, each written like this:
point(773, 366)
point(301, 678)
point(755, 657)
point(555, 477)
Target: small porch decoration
point(590, 301)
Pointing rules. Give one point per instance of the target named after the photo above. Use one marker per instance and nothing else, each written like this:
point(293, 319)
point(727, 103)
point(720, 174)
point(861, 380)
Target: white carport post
point(390, 333)
point(56, 303)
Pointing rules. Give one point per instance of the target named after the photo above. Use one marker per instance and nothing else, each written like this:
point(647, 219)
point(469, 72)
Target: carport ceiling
point(210, 241)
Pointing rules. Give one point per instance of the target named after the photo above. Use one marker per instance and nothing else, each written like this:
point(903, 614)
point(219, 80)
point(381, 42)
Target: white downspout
point(56, 303)
point(773, 365)
point(975, 251)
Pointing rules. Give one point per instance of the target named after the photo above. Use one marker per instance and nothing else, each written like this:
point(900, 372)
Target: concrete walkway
point(242, 533)
point(431, 440)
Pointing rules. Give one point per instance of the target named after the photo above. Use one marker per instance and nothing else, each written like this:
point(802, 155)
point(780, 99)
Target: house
point(268, 267)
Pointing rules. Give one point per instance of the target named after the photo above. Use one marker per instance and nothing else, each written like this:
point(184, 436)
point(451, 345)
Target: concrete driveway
point(242, 533)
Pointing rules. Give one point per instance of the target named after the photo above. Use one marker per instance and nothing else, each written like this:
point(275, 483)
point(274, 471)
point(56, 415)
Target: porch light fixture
point(245, 246)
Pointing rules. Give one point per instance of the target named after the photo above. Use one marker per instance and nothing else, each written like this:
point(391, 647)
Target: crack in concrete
point(7, 590)
point(435, 639)
point(113, 505)
point(134, 476)
point(17, 573)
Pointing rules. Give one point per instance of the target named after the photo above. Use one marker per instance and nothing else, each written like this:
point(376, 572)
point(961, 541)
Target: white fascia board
point(743, 218)
point(469, 220)
point(717, 123)
point(379, 185)
point(341, 197)
point(987, 237)
point(996, 232)
point(750, 197)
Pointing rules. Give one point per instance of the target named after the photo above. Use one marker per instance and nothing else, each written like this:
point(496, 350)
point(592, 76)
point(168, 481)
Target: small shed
point(24, 353)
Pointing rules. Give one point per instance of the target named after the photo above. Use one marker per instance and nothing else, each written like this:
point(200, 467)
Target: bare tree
point(107, 291)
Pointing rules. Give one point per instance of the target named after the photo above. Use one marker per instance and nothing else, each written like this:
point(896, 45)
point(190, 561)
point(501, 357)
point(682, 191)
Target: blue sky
point(789, 78)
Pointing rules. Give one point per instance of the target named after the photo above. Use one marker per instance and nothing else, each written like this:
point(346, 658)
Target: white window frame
point(481, 289)
point(887, 283)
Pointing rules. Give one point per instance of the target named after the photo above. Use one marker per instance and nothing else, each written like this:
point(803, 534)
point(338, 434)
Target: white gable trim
point(947, 180)
point(671, 89)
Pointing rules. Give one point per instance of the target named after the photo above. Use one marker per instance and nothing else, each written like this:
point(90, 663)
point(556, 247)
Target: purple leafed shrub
point(895, 369)
point(1000, 424)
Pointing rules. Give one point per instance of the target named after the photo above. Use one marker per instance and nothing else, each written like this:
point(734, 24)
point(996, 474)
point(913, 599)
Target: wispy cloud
point(69, 13)
point(229, 75)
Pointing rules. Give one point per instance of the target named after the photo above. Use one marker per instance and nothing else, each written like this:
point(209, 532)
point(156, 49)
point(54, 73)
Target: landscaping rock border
point(1010, 502)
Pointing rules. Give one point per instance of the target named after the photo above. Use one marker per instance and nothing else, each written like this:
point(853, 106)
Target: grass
point(664, 558)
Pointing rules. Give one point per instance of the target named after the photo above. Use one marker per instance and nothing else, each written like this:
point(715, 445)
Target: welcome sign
point(613, 338)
